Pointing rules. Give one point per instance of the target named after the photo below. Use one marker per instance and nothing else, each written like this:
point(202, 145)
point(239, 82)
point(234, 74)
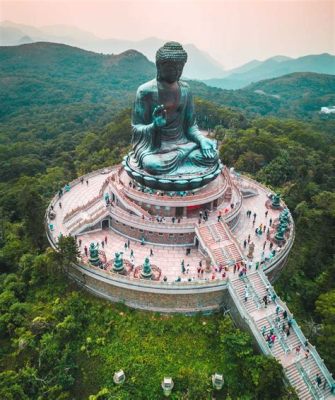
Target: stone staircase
point(222, 247)
point(300, 371)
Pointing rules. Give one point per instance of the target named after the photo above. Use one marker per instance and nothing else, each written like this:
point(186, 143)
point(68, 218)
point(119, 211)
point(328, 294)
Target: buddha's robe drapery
point(163, 150)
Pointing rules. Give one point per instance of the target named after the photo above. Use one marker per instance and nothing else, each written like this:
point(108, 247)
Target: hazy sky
point(233, 32)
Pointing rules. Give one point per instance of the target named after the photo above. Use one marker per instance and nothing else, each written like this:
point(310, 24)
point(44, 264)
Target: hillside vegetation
point(57, 342)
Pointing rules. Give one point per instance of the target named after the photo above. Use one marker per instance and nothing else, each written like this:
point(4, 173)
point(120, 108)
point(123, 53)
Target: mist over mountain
point(200, 64)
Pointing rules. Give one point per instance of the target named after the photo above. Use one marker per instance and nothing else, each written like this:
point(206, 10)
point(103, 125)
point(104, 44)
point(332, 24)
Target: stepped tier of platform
point(84, 211)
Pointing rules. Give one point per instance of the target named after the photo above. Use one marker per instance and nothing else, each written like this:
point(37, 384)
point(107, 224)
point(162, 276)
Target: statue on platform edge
point(166, 139)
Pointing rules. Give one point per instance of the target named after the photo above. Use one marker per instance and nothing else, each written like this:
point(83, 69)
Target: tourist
point(183, 267)
point(81, 180)
point(87, 182)
point(125, 246)
point(271, 246)
point(102, 244)
point(173, 219)
point(79, 241)
point(106, 239)
point(128, 243)
point(200, 214)
point(245, 244)
point(284, 314)
point(250, 265)
point(151, 253)
point(257, 265)
point(266, 213)
point(297, 350)
point(263, 330)
point(306, 354)
point(270, 221)
point(264, 245)
point(60, 205)
point(255, 215)
point(178, 221)
point(165, 278)
point(290, 323)
point(85, 250)
point(277, 310)
point(318, 380)
point(246, 293)
point(131, 253)
point(265, 300)
point(234, 268)
point(264, 228)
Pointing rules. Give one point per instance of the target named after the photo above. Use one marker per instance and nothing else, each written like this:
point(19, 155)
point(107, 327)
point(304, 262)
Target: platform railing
point(312, 390)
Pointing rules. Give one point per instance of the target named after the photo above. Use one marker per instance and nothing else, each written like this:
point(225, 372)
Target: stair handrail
point(203, 243)
point(258, 301)
point(283, 343)
point(251, 323)
point(312, 390)
point(302, 338)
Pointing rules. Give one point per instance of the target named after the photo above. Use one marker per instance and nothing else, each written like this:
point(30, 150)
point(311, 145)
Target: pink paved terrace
point(170, 228)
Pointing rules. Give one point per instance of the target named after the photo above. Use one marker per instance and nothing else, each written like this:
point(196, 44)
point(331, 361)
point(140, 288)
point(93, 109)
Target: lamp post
point(119, 377)
point(217, 381)
point(167, 386)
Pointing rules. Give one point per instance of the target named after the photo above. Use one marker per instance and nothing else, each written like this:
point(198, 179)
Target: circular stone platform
point(194, 238)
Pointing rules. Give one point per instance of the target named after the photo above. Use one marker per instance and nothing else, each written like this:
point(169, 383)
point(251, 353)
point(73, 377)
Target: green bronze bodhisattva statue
point(166, 140)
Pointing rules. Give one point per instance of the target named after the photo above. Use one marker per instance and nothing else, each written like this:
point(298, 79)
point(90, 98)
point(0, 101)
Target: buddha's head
point(170, 61)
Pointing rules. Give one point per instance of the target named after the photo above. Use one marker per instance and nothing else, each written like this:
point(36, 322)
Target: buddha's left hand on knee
point(208, 148)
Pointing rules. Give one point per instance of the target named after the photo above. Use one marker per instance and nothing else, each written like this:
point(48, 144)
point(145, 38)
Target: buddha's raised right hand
point(159, 116)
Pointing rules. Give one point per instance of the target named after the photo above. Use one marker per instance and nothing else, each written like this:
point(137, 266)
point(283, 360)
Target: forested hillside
point(57, 342)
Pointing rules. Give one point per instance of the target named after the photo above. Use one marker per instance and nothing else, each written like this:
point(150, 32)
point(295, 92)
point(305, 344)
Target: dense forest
point(62, 117)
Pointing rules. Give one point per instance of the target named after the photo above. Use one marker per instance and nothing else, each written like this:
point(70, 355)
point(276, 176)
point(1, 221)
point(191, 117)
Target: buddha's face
point(169, 71)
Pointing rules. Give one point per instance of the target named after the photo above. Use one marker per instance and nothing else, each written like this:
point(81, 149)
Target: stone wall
point(153, 237)
point(165, 300)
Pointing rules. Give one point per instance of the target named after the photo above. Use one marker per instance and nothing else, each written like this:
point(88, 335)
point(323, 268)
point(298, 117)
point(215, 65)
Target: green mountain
point(53, 88)
point(275, 67)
